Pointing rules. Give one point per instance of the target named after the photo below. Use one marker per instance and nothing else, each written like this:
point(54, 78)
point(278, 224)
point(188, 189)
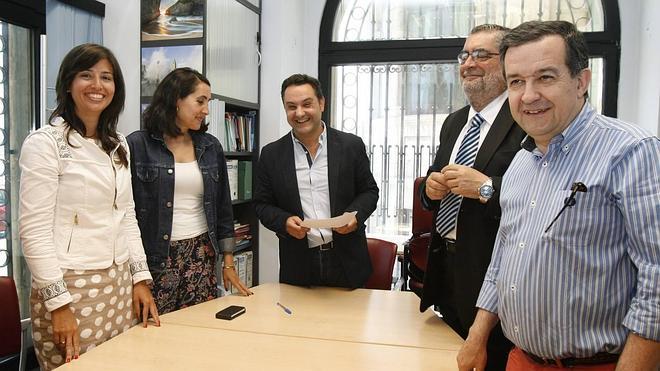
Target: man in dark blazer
point(316, 172)
point(458, 259)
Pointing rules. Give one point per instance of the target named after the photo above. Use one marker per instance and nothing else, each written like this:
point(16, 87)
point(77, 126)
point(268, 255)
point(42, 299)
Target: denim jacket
point(152, 169)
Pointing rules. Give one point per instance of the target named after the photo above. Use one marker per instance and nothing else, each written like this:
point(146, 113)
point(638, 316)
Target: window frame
point(604, 44)
point(30, 14)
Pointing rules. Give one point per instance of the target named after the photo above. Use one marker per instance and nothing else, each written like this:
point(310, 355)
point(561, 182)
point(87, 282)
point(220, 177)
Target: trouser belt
point(450, 245)
point(325, 246)
point(597, 359)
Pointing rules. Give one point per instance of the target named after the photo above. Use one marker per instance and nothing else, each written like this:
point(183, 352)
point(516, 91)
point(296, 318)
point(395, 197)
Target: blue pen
point(287, 310)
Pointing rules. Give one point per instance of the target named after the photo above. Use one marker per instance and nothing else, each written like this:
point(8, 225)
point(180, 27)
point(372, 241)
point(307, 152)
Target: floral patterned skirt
point(189, 276)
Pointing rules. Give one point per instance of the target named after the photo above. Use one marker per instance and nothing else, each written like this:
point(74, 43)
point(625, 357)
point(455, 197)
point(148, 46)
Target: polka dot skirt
point(102, 305)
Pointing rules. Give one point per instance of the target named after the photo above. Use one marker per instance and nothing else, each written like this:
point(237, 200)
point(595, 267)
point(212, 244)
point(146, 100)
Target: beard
point(485, 88)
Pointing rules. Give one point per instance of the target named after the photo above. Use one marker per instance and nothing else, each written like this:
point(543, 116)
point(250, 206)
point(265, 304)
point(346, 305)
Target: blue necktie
point(467, 152)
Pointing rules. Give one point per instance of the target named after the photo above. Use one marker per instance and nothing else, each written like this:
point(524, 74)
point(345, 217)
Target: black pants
point(327, 269)
point(498, 346)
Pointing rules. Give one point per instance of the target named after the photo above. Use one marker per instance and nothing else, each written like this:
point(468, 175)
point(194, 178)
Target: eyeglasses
point(480, 55)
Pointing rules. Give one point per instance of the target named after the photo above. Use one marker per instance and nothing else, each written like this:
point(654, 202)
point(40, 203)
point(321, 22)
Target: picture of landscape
point(159, 61)
point(172, 19)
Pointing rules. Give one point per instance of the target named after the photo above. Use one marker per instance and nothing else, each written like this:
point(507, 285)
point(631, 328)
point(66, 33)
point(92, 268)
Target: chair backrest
point(383, 255)
point(10, 318)
point(418, 251)
point(422, 219)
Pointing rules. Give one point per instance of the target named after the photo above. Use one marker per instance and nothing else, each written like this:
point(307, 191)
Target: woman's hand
point(65, 332)
point(230, 277)
point(144, 304)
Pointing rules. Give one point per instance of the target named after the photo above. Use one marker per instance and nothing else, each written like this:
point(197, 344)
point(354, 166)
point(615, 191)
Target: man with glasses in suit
point(477, 143)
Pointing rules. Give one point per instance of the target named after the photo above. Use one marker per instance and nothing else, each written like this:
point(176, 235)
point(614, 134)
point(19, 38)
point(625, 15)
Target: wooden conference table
point(329, 329)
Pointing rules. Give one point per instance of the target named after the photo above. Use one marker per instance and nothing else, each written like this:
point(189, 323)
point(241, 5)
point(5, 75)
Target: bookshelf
point(219, 38)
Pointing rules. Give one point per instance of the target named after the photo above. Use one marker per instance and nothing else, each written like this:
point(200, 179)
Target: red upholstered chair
point(383, 255)
point(415, 250)
point(10, 325)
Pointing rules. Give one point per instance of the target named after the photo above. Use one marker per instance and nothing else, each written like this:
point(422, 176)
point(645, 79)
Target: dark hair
point(491, 28)
point(302, 79)
point(81, 58)
point(577, 53)
point(160, 117)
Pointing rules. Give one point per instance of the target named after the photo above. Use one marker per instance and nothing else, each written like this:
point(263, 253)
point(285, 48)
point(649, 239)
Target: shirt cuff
point(227, 245)
point(488, 297)
point(642, 325)
point(140, 271)
point(55, 295)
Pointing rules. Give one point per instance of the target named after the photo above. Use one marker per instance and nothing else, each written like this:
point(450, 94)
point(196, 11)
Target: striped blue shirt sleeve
point(637, 195)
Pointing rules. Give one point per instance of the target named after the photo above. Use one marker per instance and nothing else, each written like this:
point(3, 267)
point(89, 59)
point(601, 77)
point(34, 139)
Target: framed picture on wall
point(159, 61)
point(172, 19)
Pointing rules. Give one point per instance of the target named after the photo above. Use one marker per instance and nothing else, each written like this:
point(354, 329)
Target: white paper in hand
point(337, 221)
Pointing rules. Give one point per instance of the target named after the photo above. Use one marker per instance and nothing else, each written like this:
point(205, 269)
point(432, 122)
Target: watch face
point(486, 191)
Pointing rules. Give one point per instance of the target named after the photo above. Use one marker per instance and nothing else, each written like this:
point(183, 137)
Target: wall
point(639, 84)
point(121, 34)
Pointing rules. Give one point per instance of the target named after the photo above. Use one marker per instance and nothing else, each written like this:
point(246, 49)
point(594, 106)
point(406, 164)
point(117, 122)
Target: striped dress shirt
point(580, 287)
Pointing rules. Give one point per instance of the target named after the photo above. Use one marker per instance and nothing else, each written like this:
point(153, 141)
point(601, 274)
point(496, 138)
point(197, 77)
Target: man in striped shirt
point(575, 272)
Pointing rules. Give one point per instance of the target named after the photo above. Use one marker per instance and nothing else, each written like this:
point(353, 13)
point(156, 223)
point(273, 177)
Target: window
point(19, 107)
point(391, 77)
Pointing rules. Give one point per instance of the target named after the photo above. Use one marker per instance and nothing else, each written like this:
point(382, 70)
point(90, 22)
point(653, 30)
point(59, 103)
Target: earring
point(177, 108)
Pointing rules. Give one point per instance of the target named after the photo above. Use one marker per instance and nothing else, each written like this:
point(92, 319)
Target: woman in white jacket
point(77, 220)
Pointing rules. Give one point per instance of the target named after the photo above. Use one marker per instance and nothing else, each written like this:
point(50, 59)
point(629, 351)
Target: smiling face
point(482, 80)
point(92, 90)
point(303, 111)
point(192, 109)
point(543, 96)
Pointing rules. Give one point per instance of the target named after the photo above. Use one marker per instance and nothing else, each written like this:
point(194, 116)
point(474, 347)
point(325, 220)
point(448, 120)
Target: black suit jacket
point(352, 188)
point(477, 223)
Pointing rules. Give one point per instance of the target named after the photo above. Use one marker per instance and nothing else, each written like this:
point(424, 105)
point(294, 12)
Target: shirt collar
point(490, 112)
point(321, 137)
point(570, 133)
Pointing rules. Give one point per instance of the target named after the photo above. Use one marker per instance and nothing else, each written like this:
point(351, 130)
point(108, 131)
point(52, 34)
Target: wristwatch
point(486, 191)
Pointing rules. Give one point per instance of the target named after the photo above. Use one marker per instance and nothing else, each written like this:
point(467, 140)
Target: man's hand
point(463, 180)
point(472, 355)
point(295, 229)
point(348, 228)
point(436, 186)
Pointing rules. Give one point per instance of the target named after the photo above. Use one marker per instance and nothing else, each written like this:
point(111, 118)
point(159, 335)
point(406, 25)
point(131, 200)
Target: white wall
point(639, 84)
point(121, 34)
point(289, 44)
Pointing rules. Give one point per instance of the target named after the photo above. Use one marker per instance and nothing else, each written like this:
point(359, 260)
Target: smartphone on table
point(230, 312)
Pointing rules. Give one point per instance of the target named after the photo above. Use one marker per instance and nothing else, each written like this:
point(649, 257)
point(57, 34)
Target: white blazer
point(76, 210)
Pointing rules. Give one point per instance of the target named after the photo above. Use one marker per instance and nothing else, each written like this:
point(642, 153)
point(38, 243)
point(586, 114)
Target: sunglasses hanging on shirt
point(569, 201)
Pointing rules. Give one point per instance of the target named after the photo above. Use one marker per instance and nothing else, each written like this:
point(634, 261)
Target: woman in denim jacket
point(181, 193)
point(77, 220)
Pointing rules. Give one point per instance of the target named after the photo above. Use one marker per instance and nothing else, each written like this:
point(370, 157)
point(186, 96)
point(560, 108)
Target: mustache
point(472, 72)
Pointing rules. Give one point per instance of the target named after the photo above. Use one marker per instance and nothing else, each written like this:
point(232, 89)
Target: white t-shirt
point(188, 220)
